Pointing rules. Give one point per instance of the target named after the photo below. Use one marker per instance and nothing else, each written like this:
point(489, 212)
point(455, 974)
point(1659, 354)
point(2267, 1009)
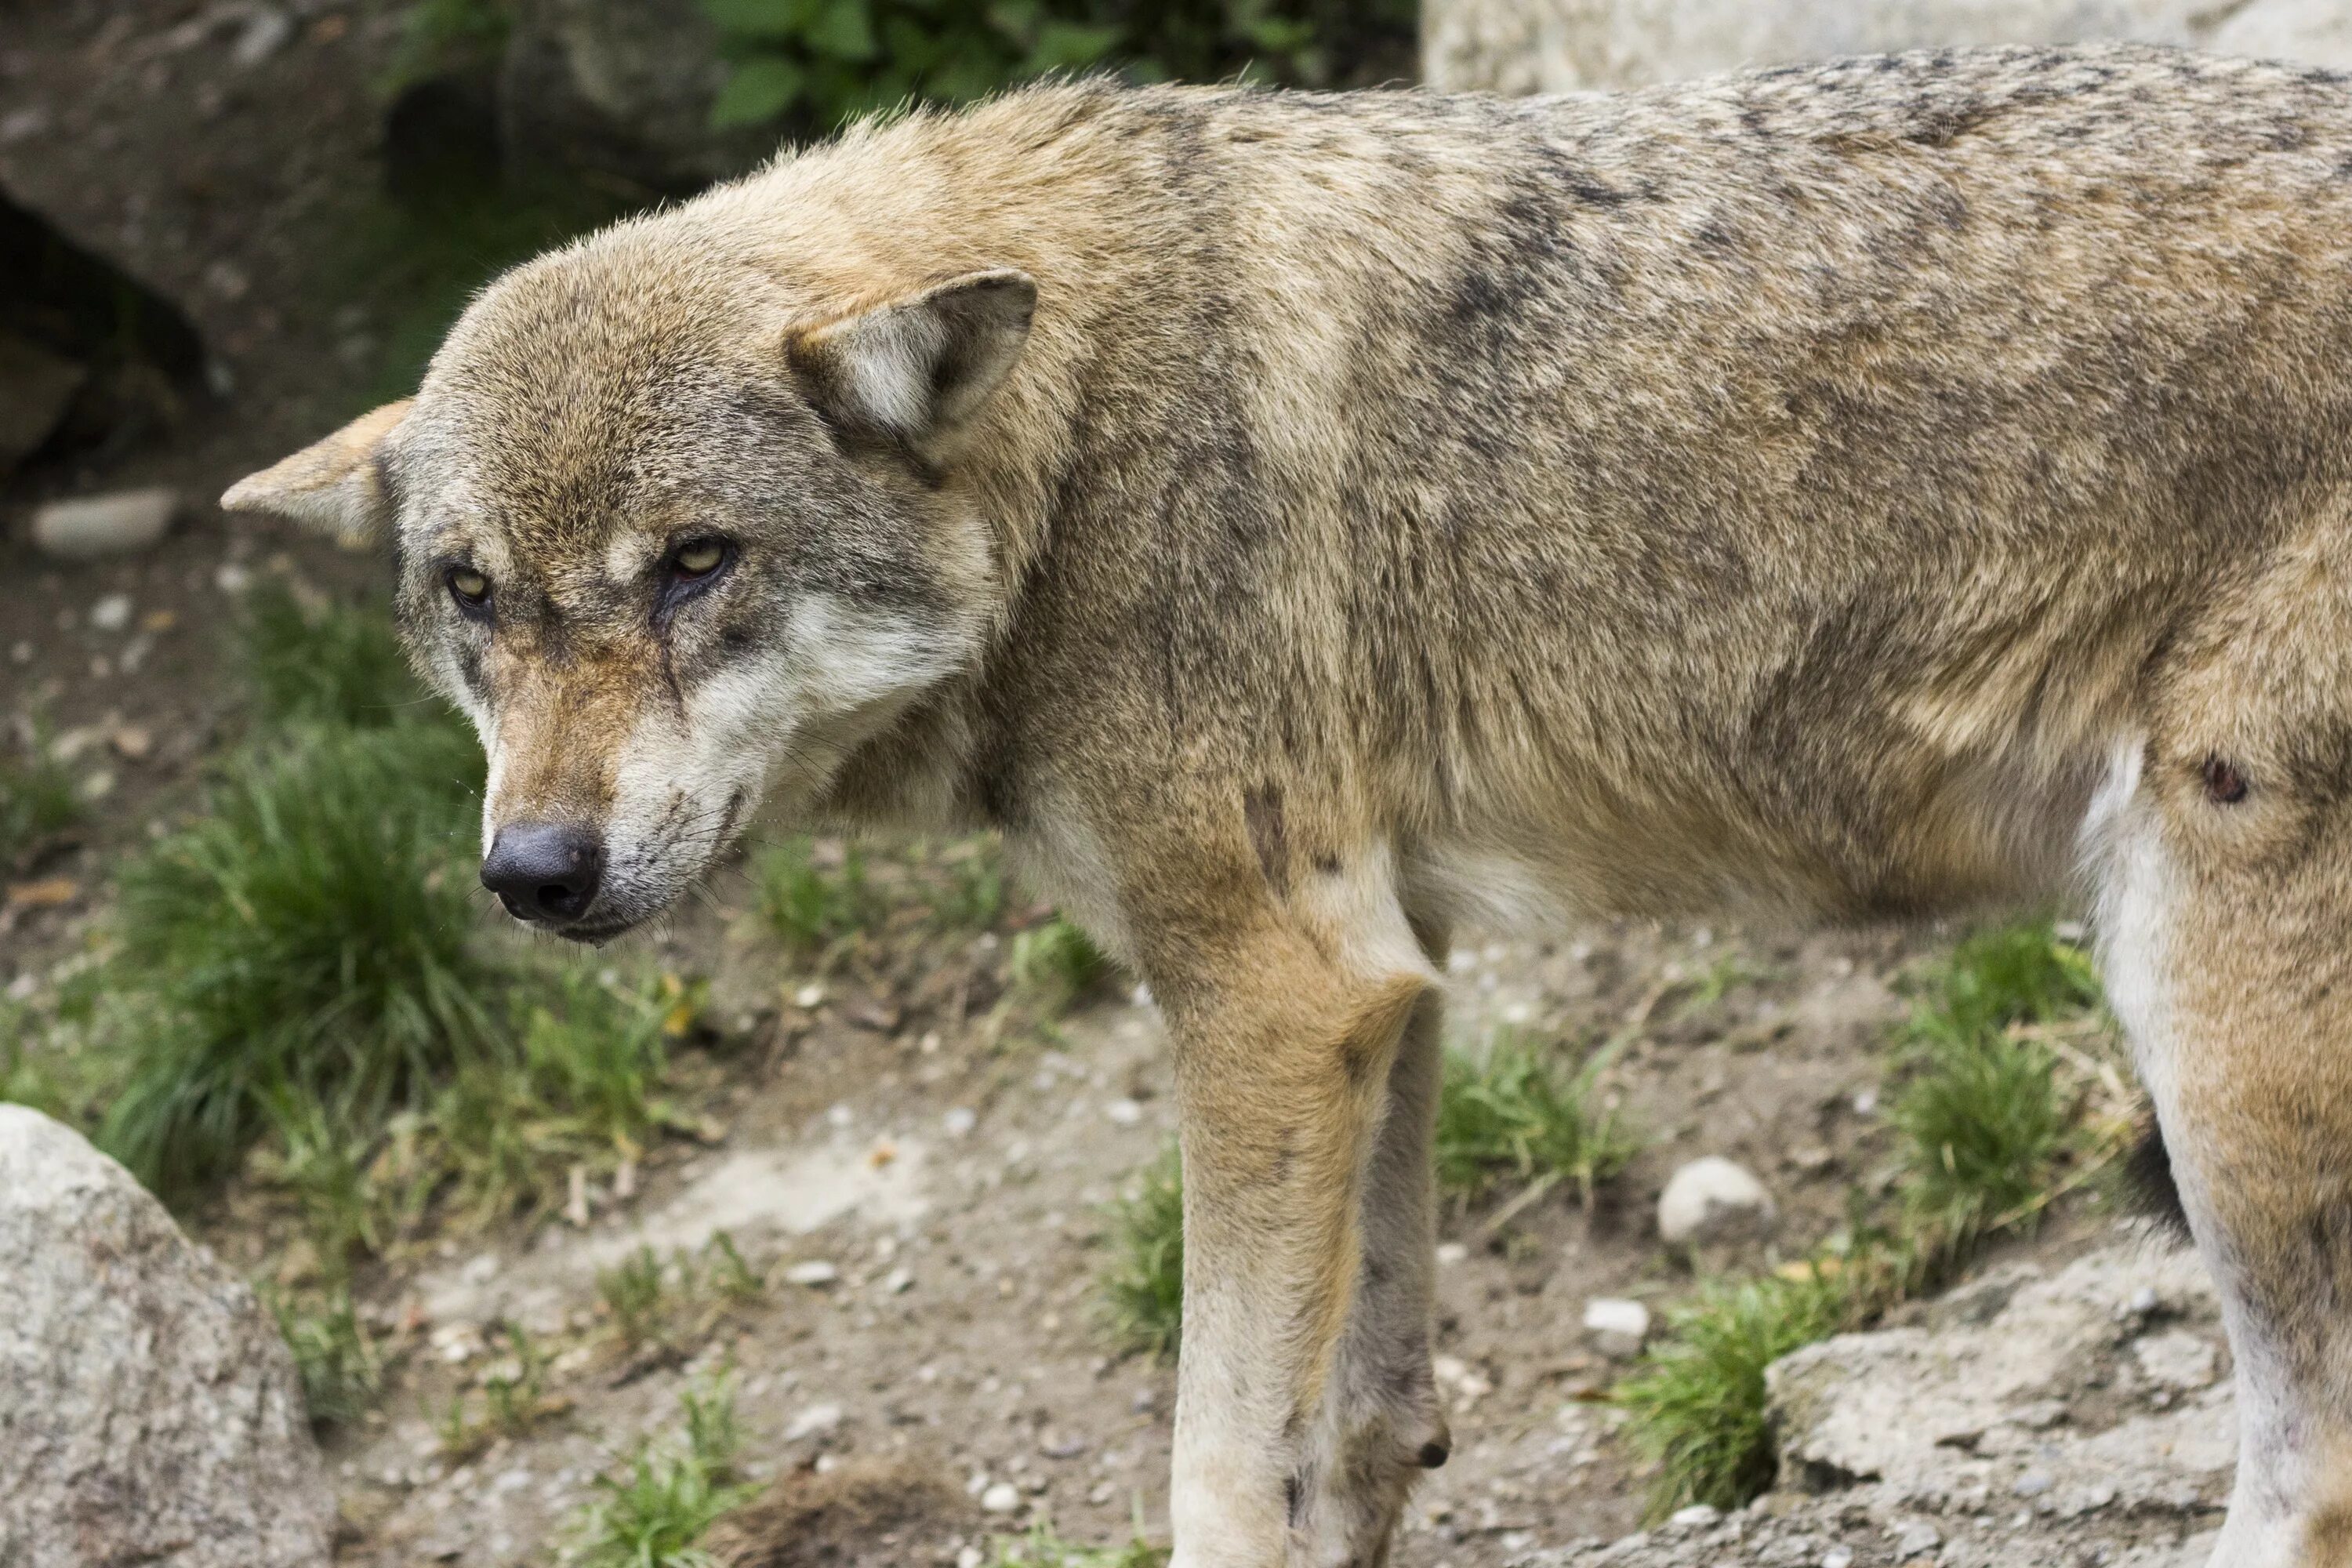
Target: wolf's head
point(672, 539)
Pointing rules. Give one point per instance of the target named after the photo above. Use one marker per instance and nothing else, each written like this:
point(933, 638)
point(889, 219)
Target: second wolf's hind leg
point(1381, 1426)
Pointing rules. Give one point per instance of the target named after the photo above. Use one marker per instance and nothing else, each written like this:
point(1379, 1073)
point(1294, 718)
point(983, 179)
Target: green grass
point(310, 935)
point(1142, 1286)
point(37, 801)
point(574, 1078)
point(811, 905)
point(340, 1369)
point(1697, 1408)
point(1983, 1126)
point(334, 663)
point(1054, 965)
point(1982, 1118)
point(649, 1301)
point(651, 1513)
point(1522, 1115)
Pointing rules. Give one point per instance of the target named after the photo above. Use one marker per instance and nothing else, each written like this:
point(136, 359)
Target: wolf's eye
point(468, 587)
point(698, 558)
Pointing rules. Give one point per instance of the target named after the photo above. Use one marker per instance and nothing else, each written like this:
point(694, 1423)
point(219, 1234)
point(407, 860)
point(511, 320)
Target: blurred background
point(834, 1222)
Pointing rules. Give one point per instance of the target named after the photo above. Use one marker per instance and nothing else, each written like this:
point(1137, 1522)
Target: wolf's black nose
point(543, 870)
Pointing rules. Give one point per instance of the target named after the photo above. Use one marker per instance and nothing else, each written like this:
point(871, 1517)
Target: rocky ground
point(926, 1365)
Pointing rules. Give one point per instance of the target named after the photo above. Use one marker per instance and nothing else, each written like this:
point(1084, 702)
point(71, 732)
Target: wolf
point(1302, 523)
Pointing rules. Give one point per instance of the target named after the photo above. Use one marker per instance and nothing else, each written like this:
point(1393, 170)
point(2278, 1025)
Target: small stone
point(813, 1422)
point(1917, 1540)
point(960, 1121)
point(265, 33)
point(1713, 1199)
point(1619, 1326)
point(2032, 1483)
point(815, 1273)
point(132, 741)
point(1002, 1498)
point(898, 1283)
point(1124, 1112)
point(2144, 1301)
point(971, 1557)
point(112, 614)
point(1698, 1516)
point(1837, 1557)
point(232, 578)
point(114, 524)
point(1450, 1253)
point(2178, 1359)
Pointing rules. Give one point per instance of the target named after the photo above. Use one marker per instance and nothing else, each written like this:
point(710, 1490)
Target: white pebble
point(1002, 1498)
point(103, 525)
point(813, 1422)
point(1712, 1199)
point(1617, 1325)
point(812, 1273)
point(112, 614)
point(1125, 1112)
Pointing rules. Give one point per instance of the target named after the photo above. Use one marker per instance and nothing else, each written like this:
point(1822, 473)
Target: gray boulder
point(148, 1411)
point(1565, 46)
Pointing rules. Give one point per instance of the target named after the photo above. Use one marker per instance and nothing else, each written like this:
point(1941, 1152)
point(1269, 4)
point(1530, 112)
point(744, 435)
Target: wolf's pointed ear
point(333, 486)
point(914, 371)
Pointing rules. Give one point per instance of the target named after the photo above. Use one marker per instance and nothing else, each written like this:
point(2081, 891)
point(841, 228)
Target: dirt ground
point(956, 1185)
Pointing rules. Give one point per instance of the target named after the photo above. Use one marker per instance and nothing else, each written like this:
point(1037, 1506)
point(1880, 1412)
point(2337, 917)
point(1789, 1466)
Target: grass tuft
point(37, 801)
point(651, 1514)
point(1520, 1114)
point(337, 664)
point(1056, 963)
point(1696, 1408)
point(341, 1372)
point(809, 904)
point(1142, 1287)
point(1983, 1118)
point(310, 934)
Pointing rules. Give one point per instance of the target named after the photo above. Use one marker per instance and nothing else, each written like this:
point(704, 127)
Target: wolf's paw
point(1347, 1498)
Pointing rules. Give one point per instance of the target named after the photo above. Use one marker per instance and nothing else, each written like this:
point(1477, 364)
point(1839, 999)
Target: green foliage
point(634, 1293)
point(514, 1399)
point(2012, 975)
point(1983, 1117)
point(809, 904)
point(1697, 1408)
point(652, 1513)
point(309, 936)
point(973, 896)
point(816, 63)
point(650, 1302)
point(336, 664)
point(445, 35)
point(1054, 965)
point(576, 1080)
point(341, 1372)
point(37, 800)
point(1142, 1286)
point(1520, 1114)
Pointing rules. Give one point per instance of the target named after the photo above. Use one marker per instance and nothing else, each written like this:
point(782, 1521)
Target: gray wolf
point(1301, 523)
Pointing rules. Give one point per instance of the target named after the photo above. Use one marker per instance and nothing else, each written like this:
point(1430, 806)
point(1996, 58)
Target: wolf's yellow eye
point(470, 586)
point(698, 558)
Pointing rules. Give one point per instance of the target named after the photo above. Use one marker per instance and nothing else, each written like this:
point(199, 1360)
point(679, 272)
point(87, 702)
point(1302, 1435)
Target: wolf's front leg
point(1381, 1426)
point(1282, 1066)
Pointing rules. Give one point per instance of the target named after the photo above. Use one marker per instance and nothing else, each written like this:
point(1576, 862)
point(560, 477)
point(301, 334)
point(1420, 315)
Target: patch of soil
point(865, 1511)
